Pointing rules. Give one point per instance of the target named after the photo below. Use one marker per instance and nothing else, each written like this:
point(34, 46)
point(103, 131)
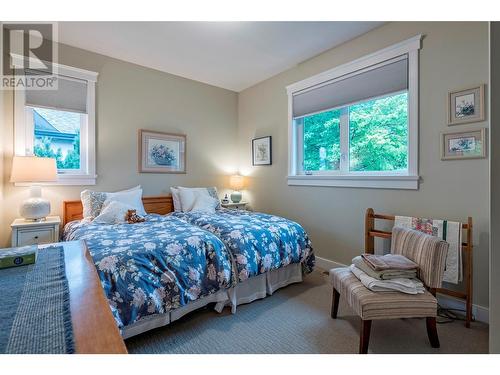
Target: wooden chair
point(467, 247)
point(429, 253)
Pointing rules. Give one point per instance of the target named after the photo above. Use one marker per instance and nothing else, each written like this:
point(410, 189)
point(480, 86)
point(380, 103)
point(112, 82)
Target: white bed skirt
point(244, 292)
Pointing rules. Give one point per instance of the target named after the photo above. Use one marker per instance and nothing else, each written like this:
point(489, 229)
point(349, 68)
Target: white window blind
point(377, 80)
point(71, 95)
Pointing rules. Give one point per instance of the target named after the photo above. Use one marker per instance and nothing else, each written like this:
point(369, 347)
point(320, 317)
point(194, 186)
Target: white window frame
point(408, 179)
point(23, 127)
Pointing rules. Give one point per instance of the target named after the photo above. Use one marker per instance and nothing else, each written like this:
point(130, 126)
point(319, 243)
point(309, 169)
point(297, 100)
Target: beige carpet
point(296, 319)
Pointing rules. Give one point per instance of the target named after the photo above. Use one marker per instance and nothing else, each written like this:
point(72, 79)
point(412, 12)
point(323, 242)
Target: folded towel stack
point(404, 285)
point(389, 261)
point(387, 273)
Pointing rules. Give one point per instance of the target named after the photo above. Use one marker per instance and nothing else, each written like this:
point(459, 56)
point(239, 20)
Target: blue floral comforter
point(156, 266)
point(259, 242)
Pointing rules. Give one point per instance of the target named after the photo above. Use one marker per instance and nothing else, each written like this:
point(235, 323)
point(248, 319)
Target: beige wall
point(454, 55)
point(130, 97)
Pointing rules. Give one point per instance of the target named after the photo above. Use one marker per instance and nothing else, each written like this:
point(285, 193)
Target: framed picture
point(463, 145)
point(261, 151)
point(161, 152)
point(466, 106)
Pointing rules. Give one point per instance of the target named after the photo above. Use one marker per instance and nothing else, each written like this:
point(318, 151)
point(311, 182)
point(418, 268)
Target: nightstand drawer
point(35, 236)
point(235, 206)
point(239, 206)
point(25, 232)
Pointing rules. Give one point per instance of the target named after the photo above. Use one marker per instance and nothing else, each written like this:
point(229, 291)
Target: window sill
point(65, 180)
point(360, 181)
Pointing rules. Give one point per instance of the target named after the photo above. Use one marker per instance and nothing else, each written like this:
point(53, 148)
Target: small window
point(356, 125)
point(60, 124)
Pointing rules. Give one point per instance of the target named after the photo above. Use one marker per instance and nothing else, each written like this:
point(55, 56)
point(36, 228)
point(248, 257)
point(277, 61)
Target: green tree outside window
point(45, 148)
point(378, 136)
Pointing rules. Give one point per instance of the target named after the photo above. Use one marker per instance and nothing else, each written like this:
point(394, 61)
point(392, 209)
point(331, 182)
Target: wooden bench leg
point(432, 332)
point(364, 336)
point(335, 303)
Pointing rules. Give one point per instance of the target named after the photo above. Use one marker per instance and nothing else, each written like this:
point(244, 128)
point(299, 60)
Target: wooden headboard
point(73, 210)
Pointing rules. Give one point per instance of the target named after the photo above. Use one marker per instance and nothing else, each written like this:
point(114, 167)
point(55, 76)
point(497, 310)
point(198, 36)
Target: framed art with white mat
point(262, 151)
point(466, 144)
point(161, 152)
point(465, 106)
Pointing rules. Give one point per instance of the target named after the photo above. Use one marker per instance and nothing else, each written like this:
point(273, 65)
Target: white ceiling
point(231, 55)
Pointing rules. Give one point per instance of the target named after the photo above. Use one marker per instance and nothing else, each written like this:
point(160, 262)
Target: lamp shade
point(236, 182)
point(33, 169)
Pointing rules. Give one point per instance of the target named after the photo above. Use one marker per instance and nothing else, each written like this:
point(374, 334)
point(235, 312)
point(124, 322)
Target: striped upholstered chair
point(429, 253)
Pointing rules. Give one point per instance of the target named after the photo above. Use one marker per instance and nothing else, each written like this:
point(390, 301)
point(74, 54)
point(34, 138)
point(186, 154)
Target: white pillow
point(204, 203)
point(187, 196)
point(132, 199)
point(113, 212)
point(176, 199)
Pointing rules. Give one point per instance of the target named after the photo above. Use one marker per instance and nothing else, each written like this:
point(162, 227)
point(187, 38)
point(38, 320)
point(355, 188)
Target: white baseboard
point(480, 313)
point(327, 264)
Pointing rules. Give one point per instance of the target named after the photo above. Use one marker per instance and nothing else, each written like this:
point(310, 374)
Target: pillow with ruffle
point(113, 212)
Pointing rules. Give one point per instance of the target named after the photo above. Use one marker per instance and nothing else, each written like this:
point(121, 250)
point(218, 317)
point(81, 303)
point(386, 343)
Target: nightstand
point(235, 206)
point(25, 232)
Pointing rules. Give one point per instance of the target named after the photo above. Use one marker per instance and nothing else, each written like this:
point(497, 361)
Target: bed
point(269, 251)
point(257, 254)
point(153, 272)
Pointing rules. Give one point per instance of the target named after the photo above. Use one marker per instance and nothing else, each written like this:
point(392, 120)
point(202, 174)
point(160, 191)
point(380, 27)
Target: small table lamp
point(236, 183)
point(33, 169)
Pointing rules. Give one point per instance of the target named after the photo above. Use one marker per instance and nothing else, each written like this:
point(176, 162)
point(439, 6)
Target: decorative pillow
point(176, 199)
point(187, 196)
point(214, 194)
point(132, 199)
point(204, 203)
point(92, 202)
point(113, 212)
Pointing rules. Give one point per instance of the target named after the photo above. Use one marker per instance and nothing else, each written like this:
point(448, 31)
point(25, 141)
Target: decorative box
point(18, 256)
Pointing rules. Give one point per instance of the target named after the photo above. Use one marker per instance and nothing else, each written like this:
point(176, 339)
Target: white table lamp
point(236, 183)
point(32, 169)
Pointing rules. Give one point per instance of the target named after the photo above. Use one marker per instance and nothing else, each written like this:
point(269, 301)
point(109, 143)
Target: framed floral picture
point(261, 151)
point(466, 106)
point(161, 152)
point(463, 145)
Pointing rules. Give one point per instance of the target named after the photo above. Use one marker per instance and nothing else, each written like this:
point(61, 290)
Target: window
point(60, 124)
point(378, 134)
point(57, 135)
point(357, 125)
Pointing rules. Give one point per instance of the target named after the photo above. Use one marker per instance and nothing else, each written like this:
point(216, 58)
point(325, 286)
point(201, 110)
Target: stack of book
point(18, 256)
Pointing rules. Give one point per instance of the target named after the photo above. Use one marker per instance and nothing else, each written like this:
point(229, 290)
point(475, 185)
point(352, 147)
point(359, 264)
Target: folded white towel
point(409, 286)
